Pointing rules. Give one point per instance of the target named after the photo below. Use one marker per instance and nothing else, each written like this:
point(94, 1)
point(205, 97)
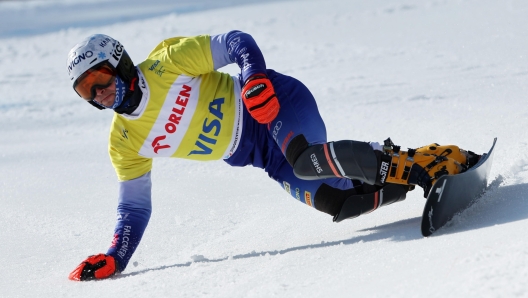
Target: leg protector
point(342, 159)
point(357, 205)
point(330, 200)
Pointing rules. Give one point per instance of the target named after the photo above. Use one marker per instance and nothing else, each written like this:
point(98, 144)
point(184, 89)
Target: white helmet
point(95, 50)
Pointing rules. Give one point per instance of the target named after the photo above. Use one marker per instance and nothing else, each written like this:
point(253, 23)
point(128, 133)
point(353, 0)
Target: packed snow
point(444, 71)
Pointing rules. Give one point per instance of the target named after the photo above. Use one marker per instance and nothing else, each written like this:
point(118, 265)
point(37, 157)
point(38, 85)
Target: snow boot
point(415, 167)
point(466, 158)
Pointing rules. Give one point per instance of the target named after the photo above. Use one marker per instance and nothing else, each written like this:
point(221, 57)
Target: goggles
point(100, 76)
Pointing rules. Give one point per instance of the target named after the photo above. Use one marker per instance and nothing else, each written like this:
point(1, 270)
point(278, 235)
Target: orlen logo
point(157, 145)
point(78, 59)
point(174, 118)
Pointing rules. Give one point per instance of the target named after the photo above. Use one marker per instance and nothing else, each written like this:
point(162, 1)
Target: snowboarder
point(176, 104)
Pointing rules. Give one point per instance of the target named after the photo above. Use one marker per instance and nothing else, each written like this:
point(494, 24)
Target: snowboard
point(452, 194)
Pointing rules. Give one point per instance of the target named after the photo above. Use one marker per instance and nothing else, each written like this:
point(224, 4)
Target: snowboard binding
point(423, 166)
point(466, 158)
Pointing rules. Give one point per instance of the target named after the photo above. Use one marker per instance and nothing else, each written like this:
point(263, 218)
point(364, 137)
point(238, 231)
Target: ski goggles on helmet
point(99, 76)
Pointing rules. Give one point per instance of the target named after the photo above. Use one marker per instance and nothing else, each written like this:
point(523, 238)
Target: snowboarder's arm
point(258, 92)
point(133, 213)
point(240, 48)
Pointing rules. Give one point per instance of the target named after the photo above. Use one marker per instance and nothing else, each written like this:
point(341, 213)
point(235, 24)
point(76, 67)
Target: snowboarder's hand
point(260, 99)
point(94, 267)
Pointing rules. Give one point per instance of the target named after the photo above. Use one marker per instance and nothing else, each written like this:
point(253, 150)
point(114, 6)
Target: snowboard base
point(452, 194)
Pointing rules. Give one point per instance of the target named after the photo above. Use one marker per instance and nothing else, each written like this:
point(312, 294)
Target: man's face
point(106, 96)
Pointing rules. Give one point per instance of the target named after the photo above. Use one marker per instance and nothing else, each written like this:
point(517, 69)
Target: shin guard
point(357, 205)
point(342, 159)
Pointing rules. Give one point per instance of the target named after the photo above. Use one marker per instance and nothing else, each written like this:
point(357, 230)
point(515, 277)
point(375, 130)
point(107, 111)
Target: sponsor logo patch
point(298, 193)
point(308, 198)
point(286, 140)
point(315, 163)
point(124, 133)
point(430, 215)
point(383, 171)
point(287, 187)
point(124, 241)
point(174, 119)
point(276, 129)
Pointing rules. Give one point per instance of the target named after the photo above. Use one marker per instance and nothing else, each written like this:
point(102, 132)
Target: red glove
point(260, 99)
point(94, 267)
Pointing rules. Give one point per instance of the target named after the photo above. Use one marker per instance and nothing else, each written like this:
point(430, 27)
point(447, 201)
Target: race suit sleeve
point(133, 213)
point(240, 48)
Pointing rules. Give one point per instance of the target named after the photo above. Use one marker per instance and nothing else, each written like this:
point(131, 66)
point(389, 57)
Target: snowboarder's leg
point(358, 160)
point(300, 134)
point(334, 191)
point(359, 204)
point(339, 197)
point(298, 124)
point(344, 159)
point(298, 127)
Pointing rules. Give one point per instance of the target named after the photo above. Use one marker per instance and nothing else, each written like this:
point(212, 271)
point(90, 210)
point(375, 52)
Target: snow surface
point(419, 71)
